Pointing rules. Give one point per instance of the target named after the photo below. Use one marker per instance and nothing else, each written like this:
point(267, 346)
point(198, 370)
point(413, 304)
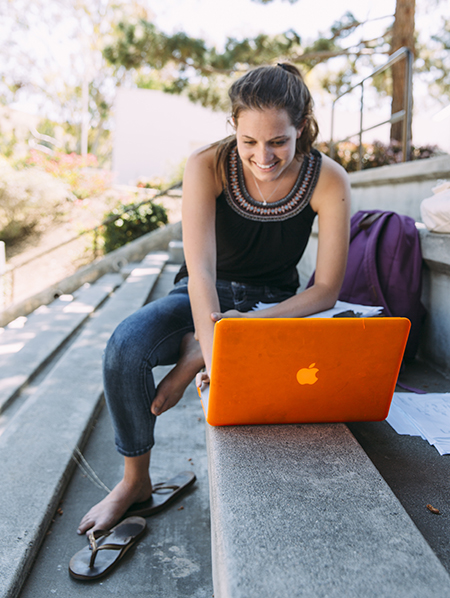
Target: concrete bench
point(38, 443)
point(300, 511)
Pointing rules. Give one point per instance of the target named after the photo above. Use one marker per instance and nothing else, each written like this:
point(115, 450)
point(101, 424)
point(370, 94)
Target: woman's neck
point(266, 192)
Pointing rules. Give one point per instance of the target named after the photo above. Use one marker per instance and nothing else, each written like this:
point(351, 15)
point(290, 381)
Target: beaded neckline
point(294, 202)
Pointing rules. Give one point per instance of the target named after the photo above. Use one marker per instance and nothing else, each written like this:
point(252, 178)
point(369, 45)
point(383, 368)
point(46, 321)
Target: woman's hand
point(201, 380)
point(231, 313)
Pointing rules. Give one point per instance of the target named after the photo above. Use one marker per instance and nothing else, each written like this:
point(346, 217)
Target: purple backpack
point(385, 268)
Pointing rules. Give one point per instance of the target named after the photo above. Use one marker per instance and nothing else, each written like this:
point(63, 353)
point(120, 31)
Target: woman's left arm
point(331, 201)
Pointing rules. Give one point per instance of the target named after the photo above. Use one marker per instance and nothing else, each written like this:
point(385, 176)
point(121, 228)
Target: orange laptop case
point(303, 370)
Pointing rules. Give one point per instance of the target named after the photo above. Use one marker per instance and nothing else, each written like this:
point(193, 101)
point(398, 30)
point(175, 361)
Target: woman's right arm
point(200, 189)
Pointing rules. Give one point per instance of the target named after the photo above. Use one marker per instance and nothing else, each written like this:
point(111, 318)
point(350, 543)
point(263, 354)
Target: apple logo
point(307, 375)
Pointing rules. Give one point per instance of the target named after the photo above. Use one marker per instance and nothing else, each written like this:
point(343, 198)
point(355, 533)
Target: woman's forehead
point(272, 121)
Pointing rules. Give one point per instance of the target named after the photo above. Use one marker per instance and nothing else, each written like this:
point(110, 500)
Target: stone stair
point(40, 438)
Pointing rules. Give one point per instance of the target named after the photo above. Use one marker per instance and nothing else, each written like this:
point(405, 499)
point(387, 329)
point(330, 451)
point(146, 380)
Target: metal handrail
point(404, 115)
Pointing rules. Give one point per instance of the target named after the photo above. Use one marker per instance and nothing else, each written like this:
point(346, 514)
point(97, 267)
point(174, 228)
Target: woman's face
point(266, 141)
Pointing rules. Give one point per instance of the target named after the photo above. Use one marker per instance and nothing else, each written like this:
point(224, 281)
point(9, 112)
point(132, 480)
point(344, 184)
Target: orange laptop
point(303, 370)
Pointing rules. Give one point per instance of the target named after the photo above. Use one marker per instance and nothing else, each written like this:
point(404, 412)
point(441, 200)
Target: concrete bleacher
point(296, 510)
point(39, 440)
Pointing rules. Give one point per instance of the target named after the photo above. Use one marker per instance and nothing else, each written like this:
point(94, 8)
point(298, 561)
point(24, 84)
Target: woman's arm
point(200, 189)
point(331, 201)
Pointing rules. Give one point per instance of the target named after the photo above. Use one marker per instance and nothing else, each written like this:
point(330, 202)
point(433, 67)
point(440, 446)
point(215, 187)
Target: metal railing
point(404, 115)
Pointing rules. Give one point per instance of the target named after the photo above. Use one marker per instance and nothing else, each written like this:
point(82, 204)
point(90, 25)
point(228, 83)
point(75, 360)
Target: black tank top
point(262, 244)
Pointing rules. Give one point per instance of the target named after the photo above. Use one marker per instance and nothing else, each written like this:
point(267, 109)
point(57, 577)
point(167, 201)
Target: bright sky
point(217, 19)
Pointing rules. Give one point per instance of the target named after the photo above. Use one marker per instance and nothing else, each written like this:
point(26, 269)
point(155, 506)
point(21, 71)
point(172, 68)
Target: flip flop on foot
point(106, 549)
point(163, 494)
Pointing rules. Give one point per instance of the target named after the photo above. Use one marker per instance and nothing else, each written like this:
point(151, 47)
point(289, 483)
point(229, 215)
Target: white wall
point(155, 131)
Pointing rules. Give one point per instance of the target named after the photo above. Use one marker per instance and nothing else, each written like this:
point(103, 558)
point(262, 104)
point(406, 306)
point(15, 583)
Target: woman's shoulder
point(333, 181)
point(201, 169)
point(203, 155)
point(332, 174)
point(331, 169)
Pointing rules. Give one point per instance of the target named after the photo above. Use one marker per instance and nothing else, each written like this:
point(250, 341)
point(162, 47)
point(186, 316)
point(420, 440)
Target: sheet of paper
point(366, 311)
point(425, 415)
point(401, 423)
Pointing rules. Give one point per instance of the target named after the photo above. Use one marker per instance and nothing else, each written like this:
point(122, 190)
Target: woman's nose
point(264, 155)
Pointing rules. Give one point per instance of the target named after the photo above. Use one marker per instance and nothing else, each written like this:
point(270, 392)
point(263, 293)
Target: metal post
point(408, 106)
point(361, 127)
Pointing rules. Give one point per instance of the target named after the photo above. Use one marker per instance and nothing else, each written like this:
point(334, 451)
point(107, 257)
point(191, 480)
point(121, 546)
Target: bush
point(375, 154)
point(132, 224)
point(28, 198)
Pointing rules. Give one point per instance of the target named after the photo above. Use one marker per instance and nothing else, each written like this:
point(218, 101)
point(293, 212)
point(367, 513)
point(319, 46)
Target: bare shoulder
point(203, 157)
point(333, 184)
point(200, 170)
point(332, 173)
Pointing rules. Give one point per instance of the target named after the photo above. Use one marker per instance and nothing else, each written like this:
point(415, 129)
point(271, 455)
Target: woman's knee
point(122, 347)
point(140, 335)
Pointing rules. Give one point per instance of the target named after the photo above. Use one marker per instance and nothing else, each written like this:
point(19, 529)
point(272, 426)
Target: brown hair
point(280, 86)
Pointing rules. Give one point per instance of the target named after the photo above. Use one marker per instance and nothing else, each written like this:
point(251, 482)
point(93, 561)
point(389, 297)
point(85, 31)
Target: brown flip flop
point(163, 494)
point(106, 549)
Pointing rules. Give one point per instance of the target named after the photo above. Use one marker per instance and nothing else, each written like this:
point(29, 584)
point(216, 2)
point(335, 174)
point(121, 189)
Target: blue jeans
point(152, 337)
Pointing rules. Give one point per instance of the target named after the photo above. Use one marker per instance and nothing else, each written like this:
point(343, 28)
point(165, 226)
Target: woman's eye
point(278, 143)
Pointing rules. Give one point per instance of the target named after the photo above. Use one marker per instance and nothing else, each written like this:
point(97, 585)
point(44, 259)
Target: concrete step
point(37, 446)
point(26, 350)
point(301, 511)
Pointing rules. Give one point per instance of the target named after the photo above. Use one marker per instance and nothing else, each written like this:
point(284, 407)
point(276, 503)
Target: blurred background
point(102, 101)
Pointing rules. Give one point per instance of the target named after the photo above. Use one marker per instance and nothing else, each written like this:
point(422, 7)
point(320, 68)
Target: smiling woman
point(249, 202)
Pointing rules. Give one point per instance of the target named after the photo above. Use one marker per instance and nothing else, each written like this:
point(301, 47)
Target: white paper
point(365, 311)
point(425, 415)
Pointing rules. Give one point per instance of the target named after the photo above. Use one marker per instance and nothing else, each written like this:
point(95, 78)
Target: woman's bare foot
point(135, 486)
point(171, 388)
point(107, 512)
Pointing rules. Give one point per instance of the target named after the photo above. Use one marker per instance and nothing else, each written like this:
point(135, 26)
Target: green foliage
point(137, 221)
point(375, 154)
point(182, 64)
point(179, 63)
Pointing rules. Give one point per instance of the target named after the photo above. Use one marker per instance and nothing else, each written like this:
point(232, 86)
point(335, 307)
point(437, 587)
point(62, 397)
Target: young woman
point(248, 206)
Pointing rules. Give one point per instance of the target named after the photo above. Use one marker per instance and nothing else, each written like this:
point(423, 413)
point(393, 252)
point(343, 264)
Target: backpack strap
point(378, 221)
point(368, 219)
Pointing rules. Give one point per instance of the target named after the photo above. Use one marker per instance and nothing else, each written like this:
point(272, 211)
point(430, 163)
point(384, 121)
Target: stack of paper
point(425, 415)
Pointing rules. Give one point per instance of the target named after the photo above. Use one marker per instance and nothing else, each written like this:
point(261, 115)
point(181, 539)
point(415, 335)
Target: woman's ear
point(300, 129)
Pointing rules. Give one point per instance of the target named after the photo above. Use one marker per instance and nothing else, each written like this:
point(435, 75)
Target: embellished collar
point(294, 202)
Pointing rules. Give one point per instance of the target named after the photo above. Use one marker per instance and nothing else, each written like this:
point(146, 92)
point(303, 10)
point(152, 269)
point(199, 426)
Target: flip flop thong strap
point(97, 535)
point(106, 547)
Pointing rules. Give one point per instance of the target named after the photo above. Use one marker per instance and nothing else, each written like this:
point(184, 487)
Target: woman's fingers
point(201, 379)
point(231, 313)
